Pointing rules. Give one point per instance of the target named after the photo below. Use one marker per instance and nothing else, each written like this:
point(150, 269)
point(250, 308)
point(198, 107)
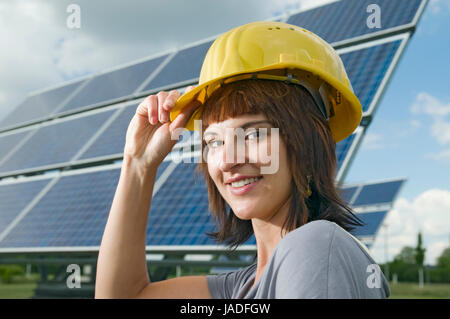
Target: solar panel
point(55, 143)
point(367, 67)
point(113, 85)
point(342, 149)
point(72, 213)
point(112, 140)
point(14, 197)
point(347, 193)
point(9, 141)
point(378, 193)
point(179, 214)
point(39, 105)
point(347, 19)
point(76, 208)
point(184, 67)
point(372, 222)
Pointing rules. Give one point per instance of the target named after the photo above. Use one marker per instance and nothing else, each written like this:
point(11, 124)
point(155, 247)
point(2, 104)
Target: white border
point(340, 176)
point(378, 181)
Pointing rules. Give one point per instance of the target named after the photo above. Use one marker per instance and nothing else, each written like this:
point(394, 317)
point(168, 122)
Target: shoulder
point(319, 237)
point(322, 260)
point(315, 234)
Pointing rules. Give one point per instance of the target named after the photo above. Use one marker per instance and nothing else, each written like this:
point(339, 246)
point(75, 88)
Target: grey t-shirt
point(317, 260)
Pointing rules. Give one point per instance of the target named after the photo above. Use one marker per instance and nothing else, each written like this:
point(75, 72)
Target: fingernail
point(165, 117)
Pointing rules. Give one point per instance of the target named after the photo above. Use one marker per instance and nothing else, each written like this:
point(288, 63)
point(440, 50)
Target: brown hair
point(308, 141)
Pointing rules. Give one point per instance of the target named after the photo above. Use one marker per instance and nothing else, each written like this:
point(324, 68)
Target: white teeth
point(244, 182)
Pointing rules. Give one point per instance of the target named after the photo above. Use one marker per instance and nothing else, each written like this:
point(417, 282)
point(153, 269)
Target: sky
point(409, 136)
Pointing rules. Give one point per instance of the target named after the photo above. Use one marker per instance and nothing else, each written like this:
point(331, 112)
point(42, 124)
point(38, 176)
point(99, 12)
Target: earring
point(308, 189)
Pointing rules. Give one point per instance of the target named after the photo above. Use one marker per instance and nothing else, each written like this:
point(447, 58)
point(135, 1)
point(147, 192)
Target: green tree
point(441, 273)
point(420, 251)
point(407, 255)
point(444, 259)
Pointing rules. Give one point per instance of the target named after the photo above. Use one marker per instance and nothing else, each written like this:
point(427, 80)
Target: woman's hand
point(149, 136)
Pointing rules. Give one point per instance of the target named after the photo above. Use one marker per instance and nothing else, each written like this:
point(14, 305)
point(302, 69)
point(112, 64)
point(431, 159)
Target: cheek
point(215, 173)
point(212, 170)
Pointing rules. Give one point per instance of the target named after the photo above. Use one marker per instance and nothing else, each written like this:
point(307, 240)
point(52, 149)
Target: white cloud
point(415, 123)
point(427, 213)
point(440, 130)
point(278, 7)
point(428, 104)
point(437, 6)
point(437, 111)
point(437, 248)
point(444, 155)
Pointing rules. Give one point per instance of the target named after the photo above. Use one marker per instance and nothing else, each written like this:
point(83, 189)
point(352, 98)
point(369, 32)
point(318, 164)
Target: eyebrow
point(244, 126)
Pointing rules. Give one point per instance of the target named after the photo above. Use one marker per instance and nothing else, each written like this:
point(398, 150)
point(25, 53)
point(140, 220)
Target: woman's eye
point(252, 135)
point(214, 143)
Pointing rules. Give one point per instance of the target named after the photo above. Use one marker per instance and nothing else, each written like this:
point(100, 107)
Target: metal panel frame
point(409, 27)
point(116, 107)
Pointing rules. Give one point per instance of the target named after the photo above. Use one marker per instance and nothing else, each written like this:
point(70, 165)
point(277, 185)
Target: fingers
point(157, 107)
point(170, 101)
point(144, 108)
point(153, 109)
point(162, 114)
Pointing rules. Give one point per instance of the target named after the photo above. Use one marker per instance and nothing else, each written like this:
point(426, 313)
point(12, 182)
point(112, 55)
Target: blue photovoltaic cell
point(112, 140)
point(346, 19)
point(113, 85)
point(378, 193)
point(15, 197)
point(184, 66)
point(372, 221)
point(38, 106)
point(73, 212)
point(367, 67)
point(347, 193)
point(7, 142)
point(179, 214)
point(342, 149)
point(57, 143)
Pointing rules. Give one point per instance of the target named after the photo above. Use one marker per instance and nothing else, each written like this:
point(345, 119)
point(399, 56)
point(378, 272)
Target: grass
point(413, 291)
point(23, 290)
point(17, 290)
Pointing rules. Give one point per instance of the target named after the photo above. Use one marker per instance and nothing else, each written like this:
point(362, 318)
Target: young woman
point(273, 87)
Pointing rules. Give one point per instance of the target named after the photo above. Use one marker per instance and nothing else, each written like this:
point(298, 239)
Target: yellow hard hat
point(284, 52)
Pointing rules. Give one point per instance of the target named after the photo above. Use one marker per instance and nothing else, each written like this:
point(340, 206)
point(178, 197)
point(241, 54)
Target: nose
point(233, 154)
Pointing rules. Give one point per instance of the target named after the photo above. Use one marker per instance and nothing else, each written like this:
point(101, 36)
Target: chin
point(246, 212)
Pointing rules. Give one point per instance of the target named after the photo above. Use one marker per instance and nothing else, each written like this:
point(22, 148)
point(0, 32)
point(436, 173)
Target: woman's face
point(250, 170)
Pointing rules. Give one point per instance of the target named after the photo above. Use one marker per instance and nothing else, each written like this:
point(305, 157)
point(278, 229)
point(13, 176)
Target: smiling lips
point(243, 185)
